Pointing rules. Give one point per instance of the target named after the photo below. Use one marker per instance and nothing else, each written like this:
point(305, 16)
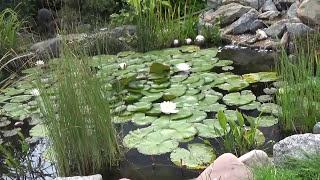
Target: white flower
point(183, 67)
point(188, 41)
point(168, 107)
point(39, 63)
point(200, 39)
point(35, 92)
point(122, 65)
point(176, 42)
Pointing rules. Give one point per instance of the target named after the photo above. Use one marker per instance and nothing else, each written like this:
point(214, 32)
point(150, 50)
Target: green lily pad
point(175, 90)
point(132, 97)
point(251, 106)
point(267, 121)
point(157, 143)
point(141, 119)
point(151, 97)
point(183, 113)
point(183, 130)
point(210, 128)
point(268, 76)
point(270, 91)
point(4, 98)
point(269, 108)
point(209, 99)
point(222, 63)
point(233, 85)
point(191, 79)
point(197, 116)
point(185, 101)
point(251, 78)
point(237, 99)
point(13, 91)
point(121, 119)
point(10, 133)
point(264, 98)
point(198, 156)
point(139, 107)
point(4, 123)
point(160, 86)
point(196, 84)
point(137, 84)
point(227, 68)
point(18, 99)
point(39, 131)
point(161, 123)
point(192, 91)
point(134, 137)
point(189, 49)
point(155, 110)
point(178, 78)
point(212, 107)
point(202, 68)
point(230, 115)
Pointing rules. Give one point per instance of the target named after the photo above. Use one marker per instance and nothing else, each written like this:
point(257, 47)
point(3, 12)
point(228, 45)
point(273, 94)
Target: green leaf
point(182, 114)
point(141, 119)
point(222, 119)
point(211, 128)
point(39, 131)
point(132, 139)
point(240, 118)
point(159, 68)
point(236, 99)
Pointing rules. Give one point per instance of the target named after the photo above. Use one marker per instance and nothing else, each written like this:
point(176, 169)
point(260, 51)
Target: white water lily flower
point(176, 42)
point(200, 39)
point(188, 41)
point(168, 107)
point(35, 92)
point(39, 63)
point(183, 67)
point(122, 65)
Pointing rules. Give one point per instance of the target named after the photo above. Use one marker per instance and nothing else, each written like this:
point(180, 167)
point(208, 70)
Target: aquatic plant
point(78, 120)
point(299, 93)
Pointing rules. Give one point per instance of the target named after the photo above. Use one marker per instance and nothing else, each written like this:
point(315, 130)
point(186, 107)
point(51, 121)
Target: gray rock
point(122, 30)
point(269, 6)
point(309, 12)
point(261, 35)
point(292, 11)
point(316, 128)
point(269, 15)
point(285, 40)
point(284, 4)
point(297, 28)
point(229, 12)
point(243, 24)
point(214, 4)
point(257, 24)
point(296, 146)
point(92, 177)
point(47, 49)
point(257, 4)
point(255, 158)
point(277, 29)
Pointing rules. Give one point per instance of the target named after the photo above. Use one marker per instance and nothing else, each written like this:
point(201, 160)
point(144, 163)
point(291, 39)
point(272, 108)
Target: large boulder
point(316, 128)
point(269, 6)
point(229, 12)
point(296, 29)
point(226, 167)
point(269, 15)
point(292, 11)
point(257, 24)
point(243, 24)
point(123, 30)
point(214, 4)
point(309, 12)
point(284, 4)
point(296, 146)
point(255, 158)
point(252, 3)
point(47, 49)
point(277, 29)
point(92, 177)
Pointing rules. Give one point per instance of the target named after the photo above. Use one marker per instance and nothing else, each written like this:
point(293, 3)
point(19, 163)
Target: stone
point(285, 40)
point(122, 30)
point(284, 4)
point(257, 24)
point(243, 24)
point(257, 4)
point(45, 23)
point(214, 4)
point(48, 48)
point(226, 167)
point(255, 158)
point(309, 12)
point(292, 11)
point(296, 146)
point(269, 6)
point(271, 15)
point(229, 12)
point(92, 177)
point(261, 35)
point(297, 28)
point(277, 29)
point(316, 128)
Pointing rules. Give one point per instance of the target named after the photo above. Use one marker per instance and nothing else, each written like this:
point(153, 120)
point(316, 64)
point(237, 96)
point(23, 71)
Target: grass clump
point(78, 120)
point(298, 169)
point(299, 95)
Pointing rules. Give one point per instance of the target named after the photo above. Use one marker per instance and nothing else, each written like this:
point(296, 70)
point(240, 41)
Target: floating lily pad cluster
point(148, 80)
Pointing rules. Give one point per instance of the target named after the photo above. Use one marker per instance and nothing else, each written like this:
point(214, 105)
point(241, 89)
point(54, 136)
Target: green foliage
point(241, 139)
point(20, 163)
point(79, 121)
point(25, 8)
point(299, 95)
point(300, 169)
point(125, 16)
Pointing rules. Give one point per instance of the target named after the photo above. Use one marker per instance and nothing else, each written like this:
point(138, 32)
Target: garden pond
point(171, 146)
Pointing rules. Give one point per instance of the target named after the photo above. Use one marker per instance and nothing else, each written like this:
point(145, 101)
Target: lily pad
point(10, 133)
point(233, 85)
point(178, 78)
point(251, 106)
point(185, 101)
point(264, 98)
point(268, 76)
point(141, 119)
point(251, 78)
point(209, 99)
point(222, 63)
point(197, 116)
point(139, 107)
point(38, 131)
point(183, 113)
point(237, 99)
point(198, 156)
point(13, 91)
point(4, 98)
point(210, 128)
point(18, 99)
point(175, 91)
point(121, 119)
point(269, 108)
point(183, 130)
point(270, 91)
point(161, 123)
point(154, 111)
point(157, 143)
point(151, 97)
point(267, 121)
point(227, 68)
point(212, 107)
point(134, 137)
point(4, 123)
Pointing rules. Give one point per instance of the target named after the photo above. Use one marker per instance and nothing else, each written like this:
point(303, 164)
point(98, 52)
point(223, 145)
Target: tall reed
point(299, 95)
point(78, 119)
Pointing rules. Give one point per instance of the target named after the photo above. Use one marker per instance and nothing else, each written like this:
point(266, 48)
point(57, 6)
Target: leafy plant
point(300, 94)
point(21, 165)
point(241, 139)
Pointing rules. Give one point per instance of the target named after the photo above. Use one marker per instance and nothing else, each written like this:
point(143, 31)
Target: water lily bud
point(200, 40)
point(122, 66)
point(188, 41)
point(39, 63)
point(176, 42)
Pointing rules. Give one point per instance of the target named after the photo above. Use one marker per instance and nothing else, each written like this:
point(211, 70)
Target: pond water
point(139, 163)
